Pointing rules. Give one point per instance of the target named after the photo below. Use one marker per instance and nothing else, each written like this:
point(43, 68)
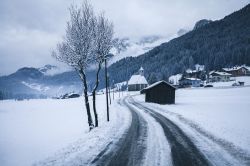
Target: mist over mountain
point(201, 23)
point(182, 32)
point(126, 47)
point(216, 44)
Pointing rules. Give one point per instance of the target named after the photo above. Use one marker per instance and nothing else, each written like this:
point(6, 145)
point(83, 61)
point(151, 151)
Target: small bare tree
point(103, 43)
point(77, 47)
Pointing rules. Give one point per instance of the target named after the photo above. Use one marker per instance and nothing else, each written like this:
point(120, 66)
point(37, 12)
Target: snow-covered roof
point(222, 73)
point(137, 79)
point(190, 71)
point(157, 83)
point(234, 68)
point(141, 68)
point(193, 79)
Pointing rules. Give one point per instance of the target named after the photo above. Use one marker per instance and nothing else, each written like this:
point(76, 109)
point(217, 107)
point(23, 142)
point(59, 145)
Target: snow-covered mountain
point(29, 82)
point(126, 47)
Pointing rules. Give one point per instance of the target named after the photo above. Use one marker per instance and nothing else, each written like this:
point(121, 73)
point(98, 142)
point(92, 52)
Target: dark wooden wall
point(161, 94)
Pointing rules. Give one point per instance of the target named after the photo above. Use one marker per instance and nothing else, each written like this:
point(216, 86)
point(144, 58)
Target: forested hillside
point(218, 44)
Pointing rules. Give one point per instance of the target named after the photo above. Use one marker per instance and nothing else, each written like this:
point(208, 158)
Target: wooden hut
point(160, 92)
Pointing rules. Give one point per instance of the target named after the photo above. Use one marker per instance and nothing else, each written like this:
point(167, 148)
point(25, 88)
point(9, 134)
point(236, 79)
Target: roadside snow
point(33, 130)
point(222, 112)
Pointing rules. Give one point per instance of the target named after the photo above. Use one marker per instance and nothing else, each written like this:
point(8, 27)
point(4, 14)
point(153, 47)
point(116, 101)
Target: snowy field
point(245, 79)
point(222, 112)
point(55, 132)
point(34, 130)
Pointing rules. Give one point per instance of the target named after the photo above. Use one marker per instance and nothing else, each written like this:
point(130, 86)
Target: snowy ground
point(55, 132)
point(245, 79)
point(39, 131)
point(222, 112)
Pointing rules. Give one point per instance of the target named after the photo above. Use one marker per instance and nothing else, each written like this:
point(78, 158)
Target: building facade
point(219, 76)
point(237, 71)
point(190, 82)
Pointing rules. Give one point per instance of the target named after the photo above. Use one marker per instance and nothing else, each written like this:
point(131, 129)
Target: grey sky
point(29, 29)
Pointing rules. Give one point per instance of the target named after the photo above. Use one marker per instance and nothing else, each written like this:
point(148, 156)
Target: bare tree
point(77, 47)
point(103, 43)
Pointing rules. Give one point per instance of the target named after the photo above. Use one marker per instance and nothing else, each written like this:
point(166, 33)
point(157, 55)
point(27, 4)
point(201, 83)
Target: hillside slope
point(218, 44)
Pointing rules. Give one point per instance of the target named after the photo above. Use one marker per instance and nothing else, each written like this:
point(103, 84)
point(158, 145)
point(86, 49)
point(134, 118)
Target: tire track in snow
point(130, 149)
point(183, 150)
point(238, 153)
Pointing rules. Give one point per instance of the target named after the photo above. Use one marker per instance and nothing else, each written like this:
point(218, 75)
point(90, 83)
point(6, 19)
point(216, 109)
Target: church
point(137, 82)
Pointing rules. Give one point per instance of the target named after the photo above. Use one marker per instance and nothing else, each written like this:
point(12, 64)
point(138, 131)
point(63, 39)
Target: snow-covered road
point(206, 117)
point(183, 150)
point(143, 143)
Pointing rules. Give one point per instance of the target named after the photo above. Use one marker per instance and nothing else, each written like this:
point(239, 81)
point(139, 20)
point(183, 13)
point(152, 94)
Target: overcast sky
point(29, 29)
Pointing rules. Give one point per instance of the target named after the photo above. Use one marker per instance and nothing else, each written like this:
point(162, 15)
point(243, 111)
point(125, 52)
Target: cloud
point(30, 29)
point(24, 47)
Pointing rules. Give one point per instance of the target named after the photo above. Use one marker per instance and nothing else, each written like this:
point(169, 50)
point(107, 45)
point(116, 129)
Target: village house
point(215, 76)
point(236, 71)
point(137, 82)
point(189, 82)
point(160, 92)
point(199, 72)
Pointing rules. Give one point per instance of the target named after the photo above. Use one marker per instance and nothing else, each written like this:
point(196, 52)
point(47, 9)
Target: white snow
point(33, 130)
point(245, 79)
point(158, 150)
point(234, 68)
point(222, 112)
point(156, 83)
point(174, 79)
point(137, 79)
point(221, 73)
point(50, 70)
point(35, 86)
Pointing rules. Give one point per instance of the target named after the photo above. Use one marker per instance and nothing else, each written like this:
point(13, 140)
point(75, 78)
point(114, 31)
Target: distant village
point(191, 78)
point(199, 77)
point(163, 92)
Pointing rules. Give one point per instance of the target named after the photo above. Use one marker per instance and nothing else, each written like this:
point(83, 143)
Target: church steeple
point(141, 71)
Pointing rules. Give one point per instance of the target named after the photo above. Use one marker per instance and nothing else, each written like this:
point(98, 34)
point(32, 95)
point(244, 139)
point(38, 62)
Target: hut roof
point(157, 83)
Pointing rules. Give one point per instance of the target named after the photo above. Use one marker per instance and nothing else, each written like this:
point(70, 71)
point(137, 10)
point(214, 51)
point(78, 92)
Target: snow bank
point(222, 112)
point(36, 129)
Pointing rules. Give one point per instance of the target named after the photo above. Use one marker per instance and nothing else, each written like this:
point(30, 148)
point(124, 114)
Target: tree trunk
point(83, 78)
point(94, 94)
point(106, 82)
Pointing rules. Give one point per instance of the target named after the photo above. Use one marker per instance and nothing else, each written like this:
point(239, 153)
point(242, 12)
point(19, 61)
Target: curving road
point(183, 150)
point(130, 149)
